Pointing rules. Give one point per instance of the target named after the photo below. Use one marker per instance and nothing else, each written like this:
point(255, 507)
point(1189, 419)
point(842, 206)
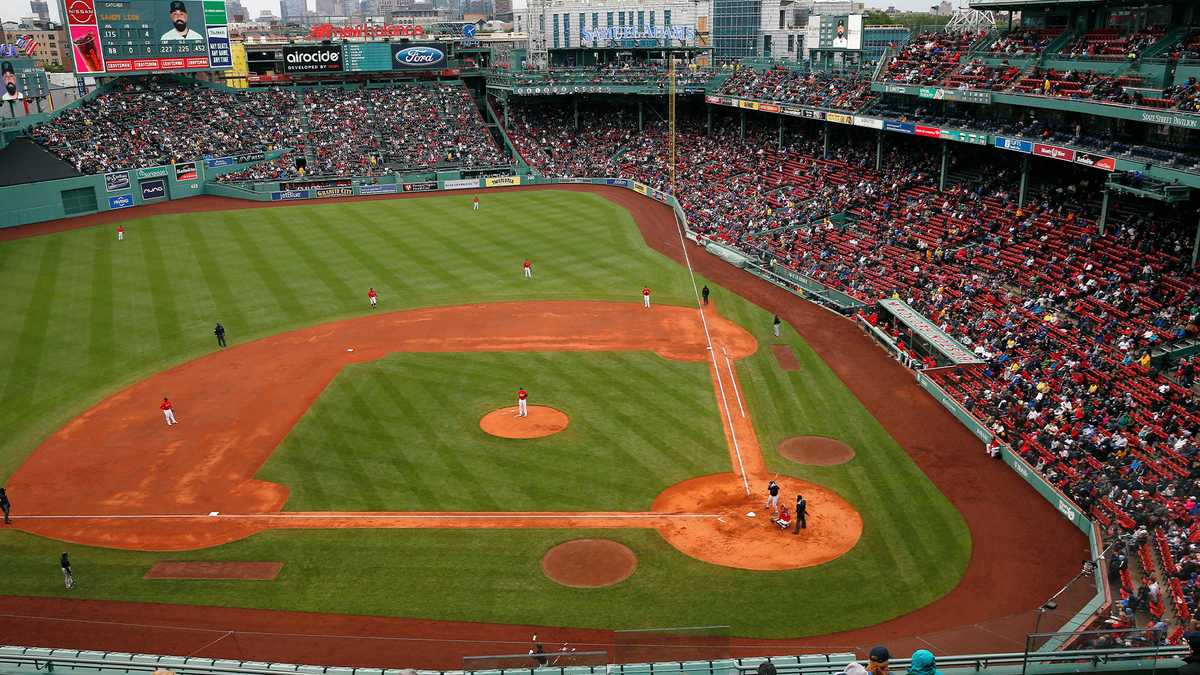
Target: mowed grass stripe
point(101, 324)
point(22, 380)
point(425, 266)
point(161, 288)
point(295, 238)
point(382, 277)
point(279, 290)
point(226, 305)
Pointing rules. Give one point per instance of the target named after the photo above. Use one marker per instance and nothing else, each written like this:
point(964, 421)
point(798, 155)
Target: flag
point(30, 45)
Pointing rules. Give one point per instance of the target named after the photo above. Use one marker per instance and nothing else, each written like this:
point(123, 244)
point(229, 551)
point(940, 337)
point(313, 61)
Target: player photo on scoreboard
point(179, 22)
point(12, 91)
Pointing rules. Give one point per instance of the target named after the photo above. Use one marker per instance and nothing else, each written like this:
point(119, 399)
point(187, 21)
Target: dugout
point(912, 338)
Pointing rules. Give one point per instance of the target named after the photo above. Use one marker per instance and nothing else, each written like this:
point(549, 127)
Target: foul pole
point(671, 117)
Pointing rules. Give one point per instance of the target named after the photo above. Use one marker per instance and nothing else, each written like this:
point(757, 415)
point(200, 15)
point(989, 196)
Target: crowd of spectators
point(339, 132)
point(929, 57)
point(547, 138)
point(151, 122)
point(1112, 42)
point(1022, 42)
point(1062, 318)
point(687, 74)
point(818, 90)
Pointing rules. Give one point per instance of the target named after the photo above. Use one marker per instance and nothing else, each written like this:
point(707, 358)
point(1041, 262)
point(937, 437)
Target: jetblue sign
point(422, 57)
point(1014, 144)
point(681, 33)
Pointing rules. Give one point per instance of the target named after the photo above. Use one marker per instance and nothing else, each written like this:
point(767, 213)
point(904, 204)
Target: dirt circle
point(710, 522)
point(542, 421)
point(589, 563)
point(815, 450)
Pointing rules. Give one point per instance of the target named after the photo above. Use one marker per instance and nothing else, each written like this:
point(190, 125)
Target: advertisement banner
point(248, 157)
point(1054, 152)
point(214, 162)
point(186, 171)
point(385, 189)
point(116, 181)
point(767, 107)
point(120, 202)
point(418, 57)
point(813, 114)
point(152, 172)
point(639, 188)
point(421, 186)
point(1096, 161)
point(322, 193)
point(839, 118)
point(463, 184)
point(307, 184)
point(869, 122)
point(902, 127)
point(287, 195)
point(154, 189)
point(501, 181)
point(619, 182)
point(219, 54)
point(312, 59)
point(1014, 144)
point(964, 136)
point(928, 132)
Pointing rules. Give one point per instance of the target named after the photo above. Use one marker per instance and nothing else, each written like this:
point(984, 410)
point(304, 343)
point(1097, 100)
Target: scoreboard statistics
point(125, 36)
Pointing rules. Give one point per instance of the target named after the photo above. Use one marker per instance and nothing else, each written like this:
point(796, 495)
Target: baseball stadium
point(768, 337)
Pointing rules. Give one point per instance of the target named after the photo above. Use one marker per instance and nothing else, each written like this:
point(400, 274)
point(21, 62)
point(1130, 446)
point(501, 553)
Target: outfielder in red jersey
point(120, 233)
point(168, 411)
point(522, 404)
point(528, 267)
point(373, 297)
point(646, 297)
point(475, 204)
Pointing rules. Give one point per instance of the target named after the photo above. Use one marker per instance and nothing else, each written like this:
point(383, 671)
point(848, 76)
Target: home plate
point(214, 513)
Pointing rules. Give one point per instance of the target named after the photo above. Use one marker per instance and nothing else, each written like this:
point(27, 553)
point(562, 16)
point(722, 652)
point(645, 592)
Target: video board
point(125, 36)
point(364, 57)
point(21, 78)
point(834, 32)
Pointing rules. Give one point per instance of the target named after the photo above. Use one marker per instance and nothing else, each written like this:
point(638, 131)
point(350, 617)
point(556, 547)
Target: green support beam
point(1103, 212)
point(1196, 246)
point(825, 151)
point(945, 166)
point(641, 115)
point(879, 153)
point(1024, 182)
point(742, 132)
point(575, 102)
point(781, 133)
point(709, 108)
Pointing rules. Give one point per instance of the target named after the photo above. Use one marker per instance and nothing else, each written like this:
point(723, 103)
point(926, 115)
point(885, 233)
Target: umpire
point(219, 331)
point(801, 514)
point(4, 505)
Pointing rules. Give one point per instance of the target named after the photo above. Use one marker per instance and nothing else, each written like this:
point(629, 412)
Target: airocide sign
point(312, 59)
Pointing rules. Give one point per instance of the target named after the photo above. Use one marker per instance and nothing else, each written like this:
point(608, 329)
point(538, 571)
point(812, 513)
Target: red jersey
point(522, 394)
point(166, 405)
point(371, 293)
point(527, 265)
point(476, 200)
point(645, 291)
point(120, 228)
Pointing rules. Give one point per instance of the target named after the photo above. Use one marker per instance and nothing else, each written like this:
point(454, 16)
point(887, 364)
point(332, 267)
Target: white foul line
point(712, 355)
point(733, 381)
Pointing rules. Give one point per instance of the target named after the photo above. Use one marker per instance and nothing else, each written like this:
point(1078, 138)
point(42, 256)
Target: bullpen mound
point(589, 563)
point(816, 450)
point(542, 421)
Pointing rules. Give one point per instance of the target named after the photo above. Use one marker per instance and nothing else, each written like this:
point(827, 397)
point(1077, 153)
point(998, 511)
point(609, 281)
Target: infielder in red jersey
point(168, 411)
point(522, 404)
point(646, 297)
point(528, 268)
point(372, 297)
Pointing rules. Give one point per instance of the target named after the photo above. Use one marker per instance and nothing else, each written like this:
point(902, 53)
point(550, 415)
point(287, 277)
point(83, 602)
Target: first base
point(750, 514)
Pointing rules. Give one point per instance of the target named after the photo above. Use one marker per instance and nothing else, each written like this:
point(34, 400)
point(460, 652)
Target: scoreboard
point(125, 36)
point(367, 56)
point(21, 78)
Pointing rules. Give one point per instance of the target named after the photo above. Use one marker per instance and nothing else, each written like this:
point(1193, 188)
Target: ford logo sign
point(420, 56)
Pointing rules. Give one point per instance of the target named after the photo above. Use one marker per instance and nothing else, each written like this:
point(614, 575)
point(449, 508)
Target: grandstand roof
point(1026, 4)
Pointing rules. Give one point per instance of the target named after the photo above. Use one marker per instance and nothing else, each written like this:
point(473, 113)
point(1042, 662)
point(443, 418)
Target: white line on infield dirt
point(737, 449)
point(733, 381)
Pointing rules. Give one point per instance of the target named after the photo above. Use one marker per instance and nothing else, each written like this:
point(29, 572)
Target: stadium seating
point(818, 90)
point(340, 131)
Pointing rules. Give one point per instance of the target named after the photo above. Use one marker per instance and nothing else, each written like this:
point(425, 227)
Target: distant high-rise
point(504, 10)
point(329, 8)
point(236, 11)
point(292, 11)
point(40, 8)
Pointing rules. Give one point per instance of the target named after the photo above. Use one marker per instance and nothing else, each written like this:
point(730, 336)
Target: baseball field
point(345, 444)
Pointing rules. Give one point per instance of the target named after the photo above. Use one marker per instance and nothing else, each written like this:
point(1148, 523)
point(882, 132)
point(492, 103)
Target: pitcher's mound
point(816, 450)
point(589, 563)
point(542, 421)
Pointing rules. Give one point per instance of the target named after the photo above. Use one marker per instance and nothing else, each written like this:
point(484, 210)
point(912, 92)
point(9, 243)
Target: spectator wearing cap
point(923, 663)
point(877, 661)
point(1191, 662)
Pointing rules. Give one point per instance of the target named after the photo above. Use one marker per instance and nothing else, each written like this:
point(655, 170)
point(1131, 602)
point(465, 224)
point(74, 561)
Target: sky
point(11, 10)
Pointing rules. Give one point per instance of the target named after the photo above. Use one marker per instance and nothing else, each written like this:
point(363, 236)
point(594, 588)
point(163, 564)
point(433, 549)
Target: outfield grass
point(402, 434)
point(89, 315)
